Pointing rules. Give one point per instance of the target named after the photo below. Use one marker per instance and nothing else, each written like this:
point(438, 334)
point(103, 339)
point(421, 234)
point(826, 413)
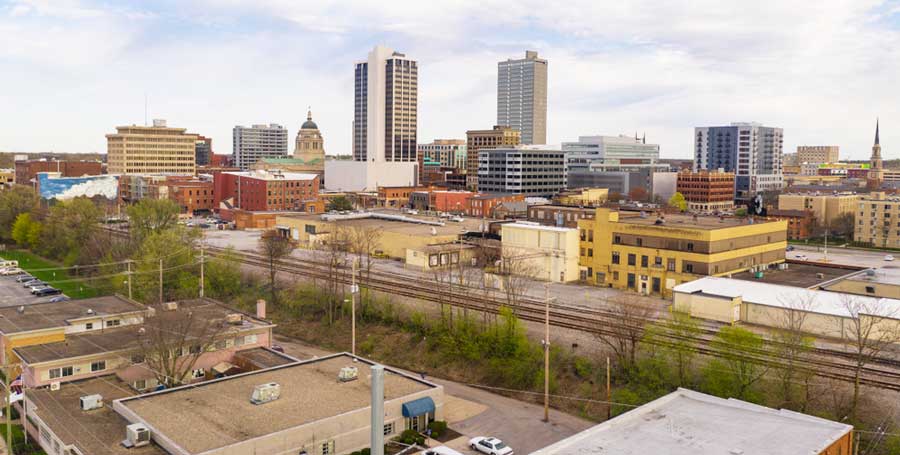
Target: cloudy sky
point(70, 70)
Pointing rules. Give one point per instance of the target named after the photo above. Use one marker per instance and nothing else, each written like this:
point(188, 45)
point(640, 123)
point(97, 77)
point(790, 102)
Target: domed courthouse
point(309, 152)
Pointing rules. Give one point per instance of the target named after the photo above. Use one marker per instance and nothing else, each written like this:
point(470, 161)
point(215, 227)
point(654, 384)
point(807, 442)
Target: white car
point(801, 257)
point(439, 450)
point(889, 258)
point(11, 271)
point(490, 446)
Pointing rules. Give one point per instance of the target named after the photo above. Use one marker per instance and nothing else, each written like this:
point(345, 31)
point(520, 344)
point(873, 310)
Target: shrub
point(411, 437)
point(583, 368)
point(438, 427)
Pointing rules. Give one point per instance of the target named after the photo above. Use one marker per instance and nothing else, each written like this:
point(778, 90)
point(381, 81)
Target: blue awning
point(418, 407)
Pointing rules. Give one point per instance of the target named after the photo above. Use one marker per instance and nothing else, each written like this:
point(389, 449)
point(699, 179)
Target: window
point(657, 261)
point(591, 235)
point(615, 276)
point(195, 349)
point(670, 264)
point(140, 384)
point(113, 323)
point(631, 281)
point(689, 268)
point(198, 373)
point(640, 241)
point(632, 259)
point(250, 339)
point(644, 261)
point(389, 428)
point(690, 247)
point(615, 257)
point(89, 326)
point(61, 372)
point(870, 289)
point(617, 240)
point(99, 365)
point(590, 252)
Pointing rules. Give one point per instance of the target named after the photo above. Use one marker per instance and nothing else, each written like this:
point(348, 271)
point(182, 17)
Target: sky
point(72, 70)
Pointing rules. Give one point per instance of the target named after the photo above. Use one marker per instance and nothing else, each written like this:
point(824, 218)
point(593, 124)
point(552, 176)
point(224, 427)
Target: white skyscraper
point(257, 142)
point(522, 97)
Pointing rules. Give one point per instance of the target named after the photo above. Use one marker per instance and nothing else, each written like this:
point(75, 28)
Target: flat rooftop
point(799, 274)
point(99, 431)
point(887, 274)
point(123, 338)
point(685, 422)
point(690, 222)
point(218, 413)
point(58, 314)
point(408, 224)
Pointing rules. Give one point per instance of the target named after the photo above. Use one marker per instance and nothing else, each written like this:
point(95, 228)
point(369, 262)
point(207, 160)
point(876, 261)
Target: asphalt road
point(13, 294)
point(846, 256)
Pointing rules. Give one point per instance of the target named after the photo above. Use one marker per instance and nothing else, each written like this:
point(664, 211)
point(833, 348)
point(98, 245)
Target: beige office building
point(825, 207)
point(818, 154)
point(151, 150)
point(522, 97)
point(878, 221)
point(500, 136)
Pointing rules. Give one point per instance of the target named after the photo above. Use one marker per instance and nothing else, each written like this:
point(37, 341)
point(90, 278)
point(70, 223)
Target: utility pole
point(129, 278)
point(825, 215)
point(608, 392)
point(547, 352)
point(160, 281)
point(8, 389)
point(202, 269)
point(353, 291)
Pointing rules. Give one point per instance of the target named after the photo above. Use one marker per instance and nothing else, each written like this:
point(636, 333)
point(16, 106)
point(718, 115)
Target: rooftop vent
point(170, 306)
point(265, 393)
point(870, 272)
point(348, 374)
point(234, 318)
point(136, 435)
point(91, 402)
point(21, 309)
point(89, 311)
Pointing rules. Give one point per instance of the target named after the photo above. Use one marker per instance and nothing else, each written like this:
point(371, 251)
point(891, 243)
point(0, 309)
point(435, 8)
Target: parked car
point(490, 446)
point(24, 278)
point(59, 298)
point(439, 450)
point(277, 348)
point(790, 248)
point(11, 271)
point(31, 283)
point(37, 287)
point(889, 258)
point(45, 291)
point(801, 257)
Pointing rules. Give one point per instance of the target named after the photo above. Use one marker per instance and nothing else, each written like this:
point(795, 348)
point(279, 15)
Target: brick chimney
point(261, 309)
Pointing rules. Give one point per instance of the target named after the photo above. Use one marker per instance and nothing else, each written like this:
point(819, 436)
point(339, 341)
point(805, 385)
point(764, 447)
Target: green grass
point(29, 262)
point(18, 440)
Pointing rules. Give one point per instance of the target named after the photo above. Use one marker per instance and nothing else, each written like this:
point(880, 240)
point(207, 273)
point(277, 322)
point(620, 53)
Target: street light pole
point(547, 352)
point(202, 270)
point(353, 291)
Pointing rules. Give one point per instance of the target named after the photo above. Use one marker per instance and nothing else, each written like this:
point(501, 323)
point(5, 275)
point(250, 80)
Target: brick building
point(800, 222)
point(265, 190)
point(707, 191)
point(26, 170)
point(191, 193)
point(483, 205)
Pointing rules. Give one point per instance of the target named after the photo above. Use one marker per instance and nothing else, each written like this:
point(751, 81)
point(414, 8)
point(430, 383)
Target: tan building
point(584, 197)
point(707, 191)
point(878, 221)
point(825, 207)
point(541, 252)
point(309, 147)
point(818, 154)
point(500, 136)
point(151, 150)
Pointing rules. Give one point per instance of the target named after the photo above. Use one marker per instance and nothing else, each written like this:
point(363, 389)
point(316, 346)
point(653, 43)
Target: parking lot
point(14, 294)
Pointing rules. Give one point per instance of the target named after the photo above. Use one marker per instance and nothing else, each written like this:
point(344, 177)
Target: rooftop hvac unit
point(136, 435)
point(348, 374)
point(265, 393)
point(90, 402)
point(170, 306)
point(234, 318)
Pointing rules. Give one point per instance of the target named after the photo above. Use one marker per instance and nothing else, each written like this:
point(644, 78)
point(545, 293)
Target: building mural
point(51, 186)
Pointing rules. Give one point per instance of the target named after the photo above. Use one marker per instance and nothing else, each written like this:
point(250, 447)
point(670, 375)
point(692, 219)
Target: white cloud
point(822, 72)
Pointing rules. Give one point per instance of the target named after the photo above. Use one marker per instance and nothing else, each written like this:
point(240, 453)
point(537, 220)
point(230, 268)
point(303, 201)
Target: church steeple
point(876, 166)
point(876, 132)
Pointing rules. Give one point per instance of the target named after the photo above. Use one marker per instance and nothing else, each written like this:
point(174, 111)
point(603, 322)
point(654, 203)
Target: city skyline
point(85, 67)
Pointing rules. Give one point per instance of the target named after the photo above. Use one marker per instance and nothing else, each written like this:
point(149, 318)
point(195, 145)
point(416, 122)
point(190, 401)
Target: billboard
point(52, 187)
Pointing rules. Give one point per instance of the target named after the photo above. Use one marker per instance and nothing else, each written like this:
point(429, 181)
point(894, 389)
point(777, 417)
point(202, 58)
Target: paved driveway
point(13, 294)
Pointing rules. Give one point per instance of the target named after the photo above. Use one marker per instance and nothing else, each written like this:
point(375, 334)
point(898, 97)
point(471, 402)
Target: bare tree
point(334, 251)
point(868, 328)
point(792, 344)
point(274, 247)
point(363, 241)
point(518, 271)
point(623, 331)
point(171, 341)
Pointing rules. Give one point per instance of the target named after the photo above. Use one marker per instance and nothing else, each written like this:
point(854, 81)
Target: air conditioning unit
point(136, 435)
point(90, 402)
point(348, 374)
point(170, 306)
point(54, 386)
point(234, 318)
point(265, 393)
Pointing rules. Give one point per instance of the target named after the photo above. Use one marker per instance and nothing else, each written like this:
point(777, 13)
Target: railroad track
point(819, 361)
point(883, 372)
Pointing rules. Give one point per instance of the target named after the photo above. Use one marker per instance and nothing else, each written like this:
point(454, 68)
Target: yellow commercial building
point(584, 197)
point(825, 207)
point(541, 252)
point(153, 149)
point(653, 254)
point(878, 221)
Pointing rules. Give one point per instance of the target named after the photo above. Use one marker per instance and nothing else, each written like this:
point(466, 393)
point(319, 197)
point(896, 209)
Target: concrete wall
point(346, 175)
point(708, 307)
point(545, 252)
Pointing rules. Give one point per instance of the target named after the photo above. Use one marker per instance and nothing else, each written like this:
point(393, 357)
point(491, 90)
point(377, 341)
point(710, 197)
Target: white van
point(6, 263)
